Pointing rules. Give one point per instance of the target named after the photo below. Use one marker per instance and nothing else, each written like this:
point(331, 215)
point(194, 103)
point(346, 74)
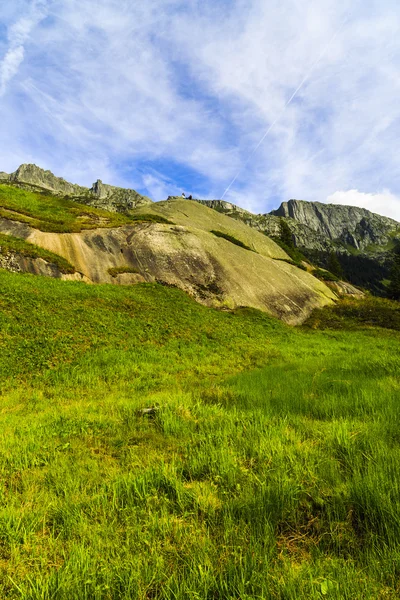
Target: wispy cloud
point(18, 33)
point(173, 95)
point(383, 203)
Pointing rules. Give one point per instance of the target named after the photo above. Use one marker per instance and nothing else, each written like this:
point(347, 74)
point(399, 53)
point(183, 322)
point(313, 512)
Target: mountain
point(344, 225)
point(100, 195)
point(219, 261)
point(363, 241)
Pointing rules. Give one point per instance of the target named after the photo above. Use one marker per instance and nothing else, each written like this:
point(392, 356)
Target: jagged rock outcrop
point(100, 195)
point(34, 176)
point(110, 197)
point(318, 226)
point(348, 225)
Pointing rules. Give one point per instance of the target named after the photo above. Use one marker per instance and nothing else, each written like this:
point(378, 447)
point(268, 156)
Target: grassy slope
point(55, 214)
point(352, 314)
point(189, 213)
point(271, 470)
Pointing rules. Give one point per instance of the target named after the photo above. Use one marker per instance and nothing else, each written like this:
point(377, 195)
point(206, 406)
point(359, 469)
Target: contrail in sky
point(303, 81)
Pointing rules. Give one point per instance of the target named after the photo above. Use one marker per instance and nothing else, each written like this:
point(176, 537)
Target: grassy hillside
point(270, 468)
point(46, 212)
point(189, 213)
point(174, 242)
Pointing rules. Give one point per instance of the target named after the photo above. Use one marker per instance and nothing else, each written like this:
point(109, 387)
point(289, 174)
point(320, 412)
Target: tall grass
point(269, 469)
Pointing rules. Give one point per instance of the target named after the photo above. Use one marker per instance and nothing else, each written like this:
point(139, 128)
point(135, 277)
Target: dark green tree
point(285, 233)
point(394, 287)
point(334, 265)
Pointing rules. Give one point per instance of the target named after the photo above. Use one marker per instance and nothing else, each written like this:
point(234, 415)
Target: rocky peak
point(99, 189)
point(119, 198)
point(35, 176)
point(101, 195)
point(351, 225)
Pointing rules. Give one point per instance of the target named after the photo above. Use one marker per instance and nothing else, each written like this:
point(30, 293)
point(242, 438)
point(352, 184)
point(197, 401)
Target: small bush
point(299, 265)
point(231, 238)
point(357, 313)
point(324, 275)
point(114, 271)
point(150, 218)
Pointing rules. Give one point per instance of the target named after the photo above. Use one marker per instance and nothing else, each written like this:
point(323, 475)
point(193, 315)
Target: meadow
point(269, 468)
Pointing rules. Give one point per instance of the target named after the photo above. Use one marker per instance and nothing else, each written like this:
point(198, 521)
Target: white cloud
point(160, 187)
point(166, 95)
point(17, 35)
point(384, 203)
point(9, 66)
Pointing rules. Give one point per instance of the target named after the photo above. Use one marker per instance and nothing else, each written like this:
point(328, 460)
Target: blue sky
point(170, 95)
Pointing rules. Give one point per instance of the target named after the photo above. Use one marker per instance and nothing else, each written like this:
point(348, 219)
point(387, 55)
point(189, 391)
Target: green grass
point(150, 218)
point(299, 265)
point(114, 271)
point(324, 275)
point(60, 215)
point(231, 238)
point(295, 253)
point(349, 314)
point(270, 470)
point(8, 243)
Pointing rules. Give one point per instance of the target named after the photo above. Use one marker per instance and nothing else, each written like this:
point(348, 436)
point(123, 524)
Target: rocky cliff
point(347, 225)
point(100, 195)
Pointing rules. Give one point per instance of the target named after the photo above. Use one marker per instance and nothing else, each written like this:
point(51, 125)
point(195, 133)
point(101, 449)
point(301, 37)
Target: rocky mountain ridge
point(269, 224)
point(100, 195)
point(348, 225)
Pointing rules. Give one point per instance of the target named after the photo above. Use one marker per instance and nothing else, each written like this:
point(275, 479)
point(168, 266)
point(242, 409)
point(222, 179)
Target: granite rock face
point(100, 195)
point(348, 225)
